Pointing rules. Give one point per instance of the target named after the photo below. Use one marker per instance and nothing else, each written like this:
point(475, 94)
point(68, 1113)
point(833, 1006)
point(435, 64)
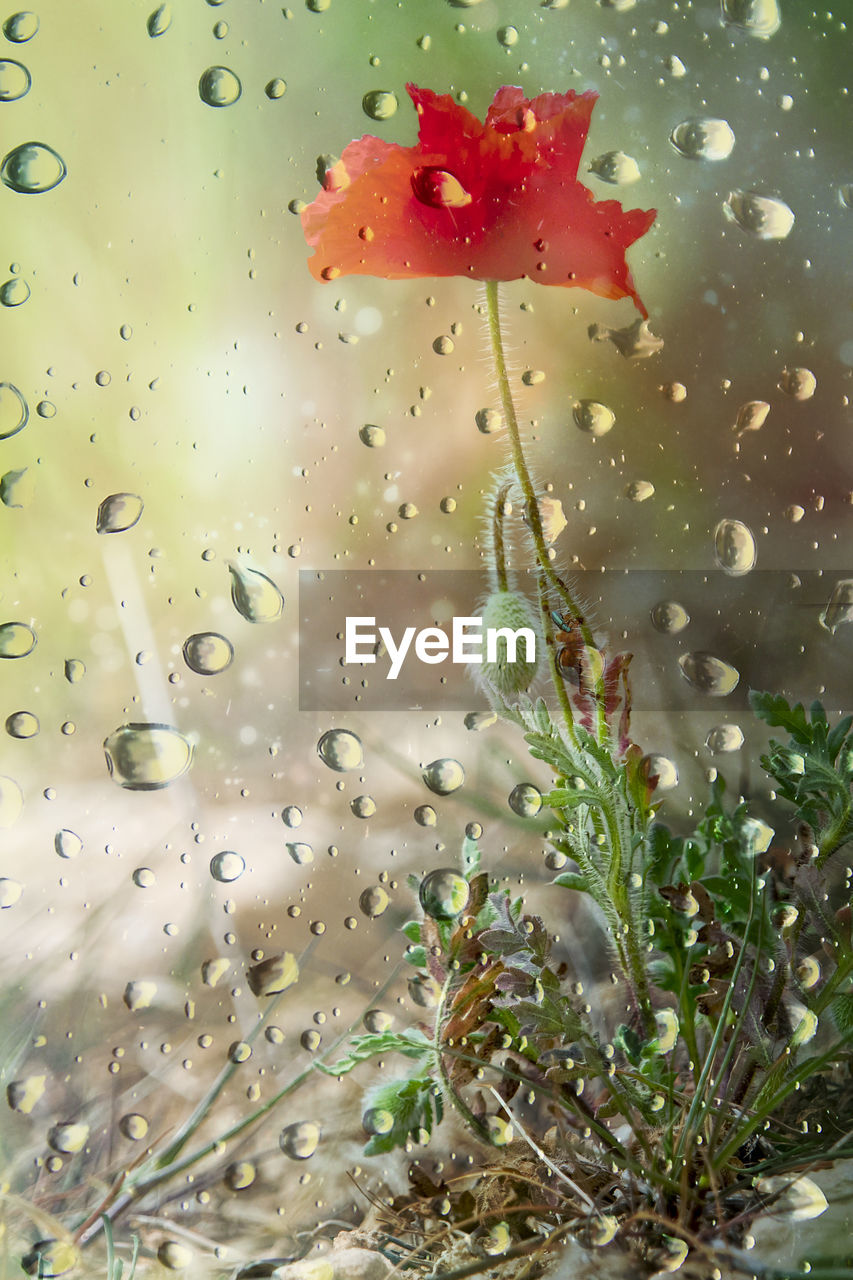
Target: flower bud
point(516, 662)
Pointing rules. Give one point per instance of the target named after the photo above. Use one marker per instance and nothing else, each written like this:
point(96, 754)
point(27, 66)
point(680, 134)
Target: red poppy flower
point(493, 201)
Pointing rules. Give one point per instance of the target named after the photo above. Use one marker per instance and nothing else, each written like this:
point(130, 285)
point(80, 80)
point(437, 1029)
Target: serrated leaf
point(836, 736)
point(412, 1105)
point(775, 710)
point(412, 1044)
point(842, 1012)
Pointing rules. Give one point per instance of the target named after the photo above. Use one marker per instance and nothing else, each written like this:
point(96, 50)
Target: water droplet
point(174, 1256)
point(68, 1138)
point(45, 409)
point(751, 416)
point(444, 776)
point(616, 168)
point(255, 596)
point(219, 87)
point(17, 640)
point(22, 724)
point(299, 1141)
point(144, 878)
point(765, 217)
point(639, 490)
point(734, 548)
point(488, 421)
point(424, 991)
point(291, 816)
point(67, 843)
point(363, 806)
point(11, 802)
point(508, 36)
point(373, 902)
point(373, 437)
point(444, 894)
point(669, 617)
point(708, 674)
point(443, 345)
point(674, 391)
point(21, 26)
point(213, 970)
point(275, 89)
point(341, 750)
point(525, 800)
point(139, 994)
point(14, 292)
point(22, 1095)
point(703, 138)
point(425, 815)
point(439, 189)
point(377, 1120)
point(662, 768)
point(379, 104)
point(220, 30)
point(275, 974)
point(159, 21)
point(227, 866)
point(499, 1131)
point(207, 653)
point(133, 1126)
point(118, 512)
point(301, 854)
point(75, 669)
point(16, 488)
point(477, 721)
point(759, 18)
point(14, 412)
point(724, 738)
point(839, 608)
point(377, 1021)
point(239, 1175)
point(799, 384)
point(239, 1052)
point(10, 892)
point(797, 1200)
point(147, 757)
point(50, 1258)
point(31, 168)
point(594, 418)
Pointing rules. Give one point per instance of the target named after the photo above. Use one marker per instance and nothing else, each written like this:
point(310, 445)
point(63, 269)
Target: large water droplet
point(16, 488)
point(275, 974)
point(839, 607)
point(639, 490)
point(147, 757)
point(11, 802)
point(10, 892)
point(75, 669)
point(50, 1258)
point(15, 80)
point(17, 640)
point(133, 1126)
point(118, 512)
point(662, 769)
point(31, 168)
point(703, 138)
point(799, 384)
point(256, 597)
point(15, 291)
point(227, 866)
point(377, 1120)
point(765, 217)
point(444, 894)
point(300, 852)
point(22, 724)
point(68, 1138)
point(708, 674)
point(751, 416)
point(174, 1256)
point(444, 776)
point(373, 902)
point(341, 750)
point(67, 843)
point(379, 104)
point(159, 21)
point(21, 26)
point(219, 87)
point(594, 418)
point(377, 1021)
point(299, 1141)
point(525, 800)
point(207, 653)
point(275, 88)
point(488, 421)
point(439, 189)
point(724, 738)
point(615, 167)
point(759, 18)
point(22, 1095)
point(425, 816)
point(669, 617)
point(14, 413)
point(374, 437)
point(734, 548)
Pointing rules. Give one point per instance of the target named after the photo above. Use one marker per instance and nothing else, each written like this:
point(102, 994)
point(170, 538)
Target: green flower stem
point(458, 1102)
point(834, 837)
point(531, 504)
point(500, 500)
point(557, 680)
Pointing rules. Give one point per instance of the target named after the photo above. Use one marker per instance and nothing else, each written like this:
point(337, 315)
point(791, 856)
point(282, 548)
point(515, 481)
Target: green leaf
point(416, 956)
point(412, 1044)
point(565, 798)
point(836, 736)
point(470, 858)
point(842, 1012)
point(773, 709)
point(572, 880)
point(412, 1104)
point(412, 930)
